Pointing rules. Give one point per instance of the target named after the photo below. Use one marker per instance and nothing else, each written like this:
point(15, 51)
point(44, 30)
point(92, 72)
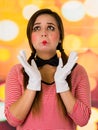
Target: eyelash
point(37, 28)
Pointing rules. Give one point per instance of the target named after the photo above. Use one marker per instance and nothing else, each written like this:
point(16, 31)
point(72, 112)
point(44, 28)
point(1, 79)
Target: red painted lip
point(44, 42)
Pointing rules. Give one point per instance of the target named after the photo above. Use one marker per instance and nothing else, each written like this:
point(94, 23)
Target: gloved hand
point(32, 71)
point(63, 71)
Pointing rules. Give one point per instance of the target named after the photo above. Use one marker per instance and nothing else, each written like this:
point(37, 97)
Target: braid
point(63, 55)
point(31, 57)
point(64, 58)
point(25, 76)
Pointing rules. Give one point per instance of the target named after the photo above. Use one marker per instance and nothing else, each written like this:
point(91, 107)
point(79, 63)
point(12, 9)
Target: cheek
point(33, 38)
point(55, 37)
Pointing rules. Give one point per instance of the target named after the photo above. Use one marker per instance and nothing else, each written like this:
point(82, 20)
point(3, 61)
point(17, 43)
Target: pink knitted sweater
point(51, 117)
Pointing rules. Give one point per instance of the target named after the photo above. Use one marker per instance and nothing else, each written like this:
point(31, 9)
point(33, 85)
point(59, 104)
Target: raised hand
point(32, 71)
point(63, 71)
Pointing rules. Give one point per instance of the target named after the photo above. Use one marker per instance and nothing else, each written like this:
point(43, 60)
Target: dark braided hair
point(36, 103)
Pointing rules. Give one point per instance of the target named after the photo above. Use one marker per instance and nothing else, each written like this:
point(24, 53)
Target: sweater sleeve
point(13, 90)
point(82, 108)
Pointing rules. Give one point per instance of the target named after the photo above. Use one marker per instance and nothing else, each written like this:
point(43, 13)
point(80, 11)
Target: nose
point(44, 33)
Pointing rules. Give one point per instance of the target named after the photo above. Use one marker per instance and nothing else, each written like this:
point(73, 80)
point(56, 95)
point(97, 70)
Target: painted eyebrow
point(47, 23)
point(51, 24)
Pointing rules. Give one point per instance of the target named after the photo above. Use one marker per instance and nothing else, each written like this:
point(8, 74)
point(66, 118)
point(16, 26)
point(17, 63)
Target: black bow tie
point(53, 61)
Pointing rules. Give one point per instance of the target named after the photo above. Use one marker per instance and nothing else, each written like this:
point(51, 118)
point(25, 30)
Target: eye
point(36, 28)
point(51, 28)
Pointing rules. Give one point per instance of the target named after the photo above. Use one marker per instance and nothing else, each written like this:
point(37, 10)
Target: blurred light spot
point(72, 42)
point(91, 7)
point(92, 123)
point(95, 50)
point(94, 115)
point(93, 41)
point(73, 10)
point(90, 61)
point(8, 30)
point(93, 83)
point(4, 54)
point(2, 92)
point(29, 10)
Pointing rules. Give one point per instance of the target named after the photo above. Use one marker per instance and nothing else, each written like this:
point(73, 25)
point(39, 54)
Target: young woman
point(47, 92)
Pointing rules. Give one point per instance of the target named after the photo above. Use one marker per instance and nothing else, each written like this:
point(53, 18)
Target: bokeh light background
point(80, 18)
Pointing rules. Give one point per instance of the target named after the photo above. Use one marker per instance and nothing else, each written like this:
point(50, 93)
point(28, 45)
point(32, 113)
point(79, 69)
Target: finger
point(69, 72)
point(34, 64)
point(22, 61)
point(22, 58)
point(72, 56)
point(71, 65)
point(23, 54)
point(71, 62)
point(76, 58)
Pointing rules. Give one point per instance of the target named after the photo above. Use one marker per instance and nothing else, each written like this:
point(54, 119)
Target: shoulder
point(79, 72)
point(16, 67)
point(79, 76)
point(16, 70)
point(79, 69)
point(15, 74)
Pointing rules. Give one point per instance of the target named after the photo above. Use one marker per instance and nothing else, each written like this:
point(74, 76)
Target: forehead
point(45, 18)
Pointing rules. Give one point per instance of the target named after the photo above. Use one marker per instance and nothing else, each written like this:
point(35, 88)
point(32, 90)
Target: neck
point(46, 56)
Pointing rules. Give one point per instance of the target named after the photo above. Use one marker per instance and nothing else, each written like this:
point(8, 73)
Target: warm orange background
point(80, 36)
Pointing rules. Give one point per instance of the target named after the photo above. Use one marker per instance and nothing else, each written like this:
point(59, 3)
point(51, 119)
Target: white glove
point(63, 71)
point(32, 71)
